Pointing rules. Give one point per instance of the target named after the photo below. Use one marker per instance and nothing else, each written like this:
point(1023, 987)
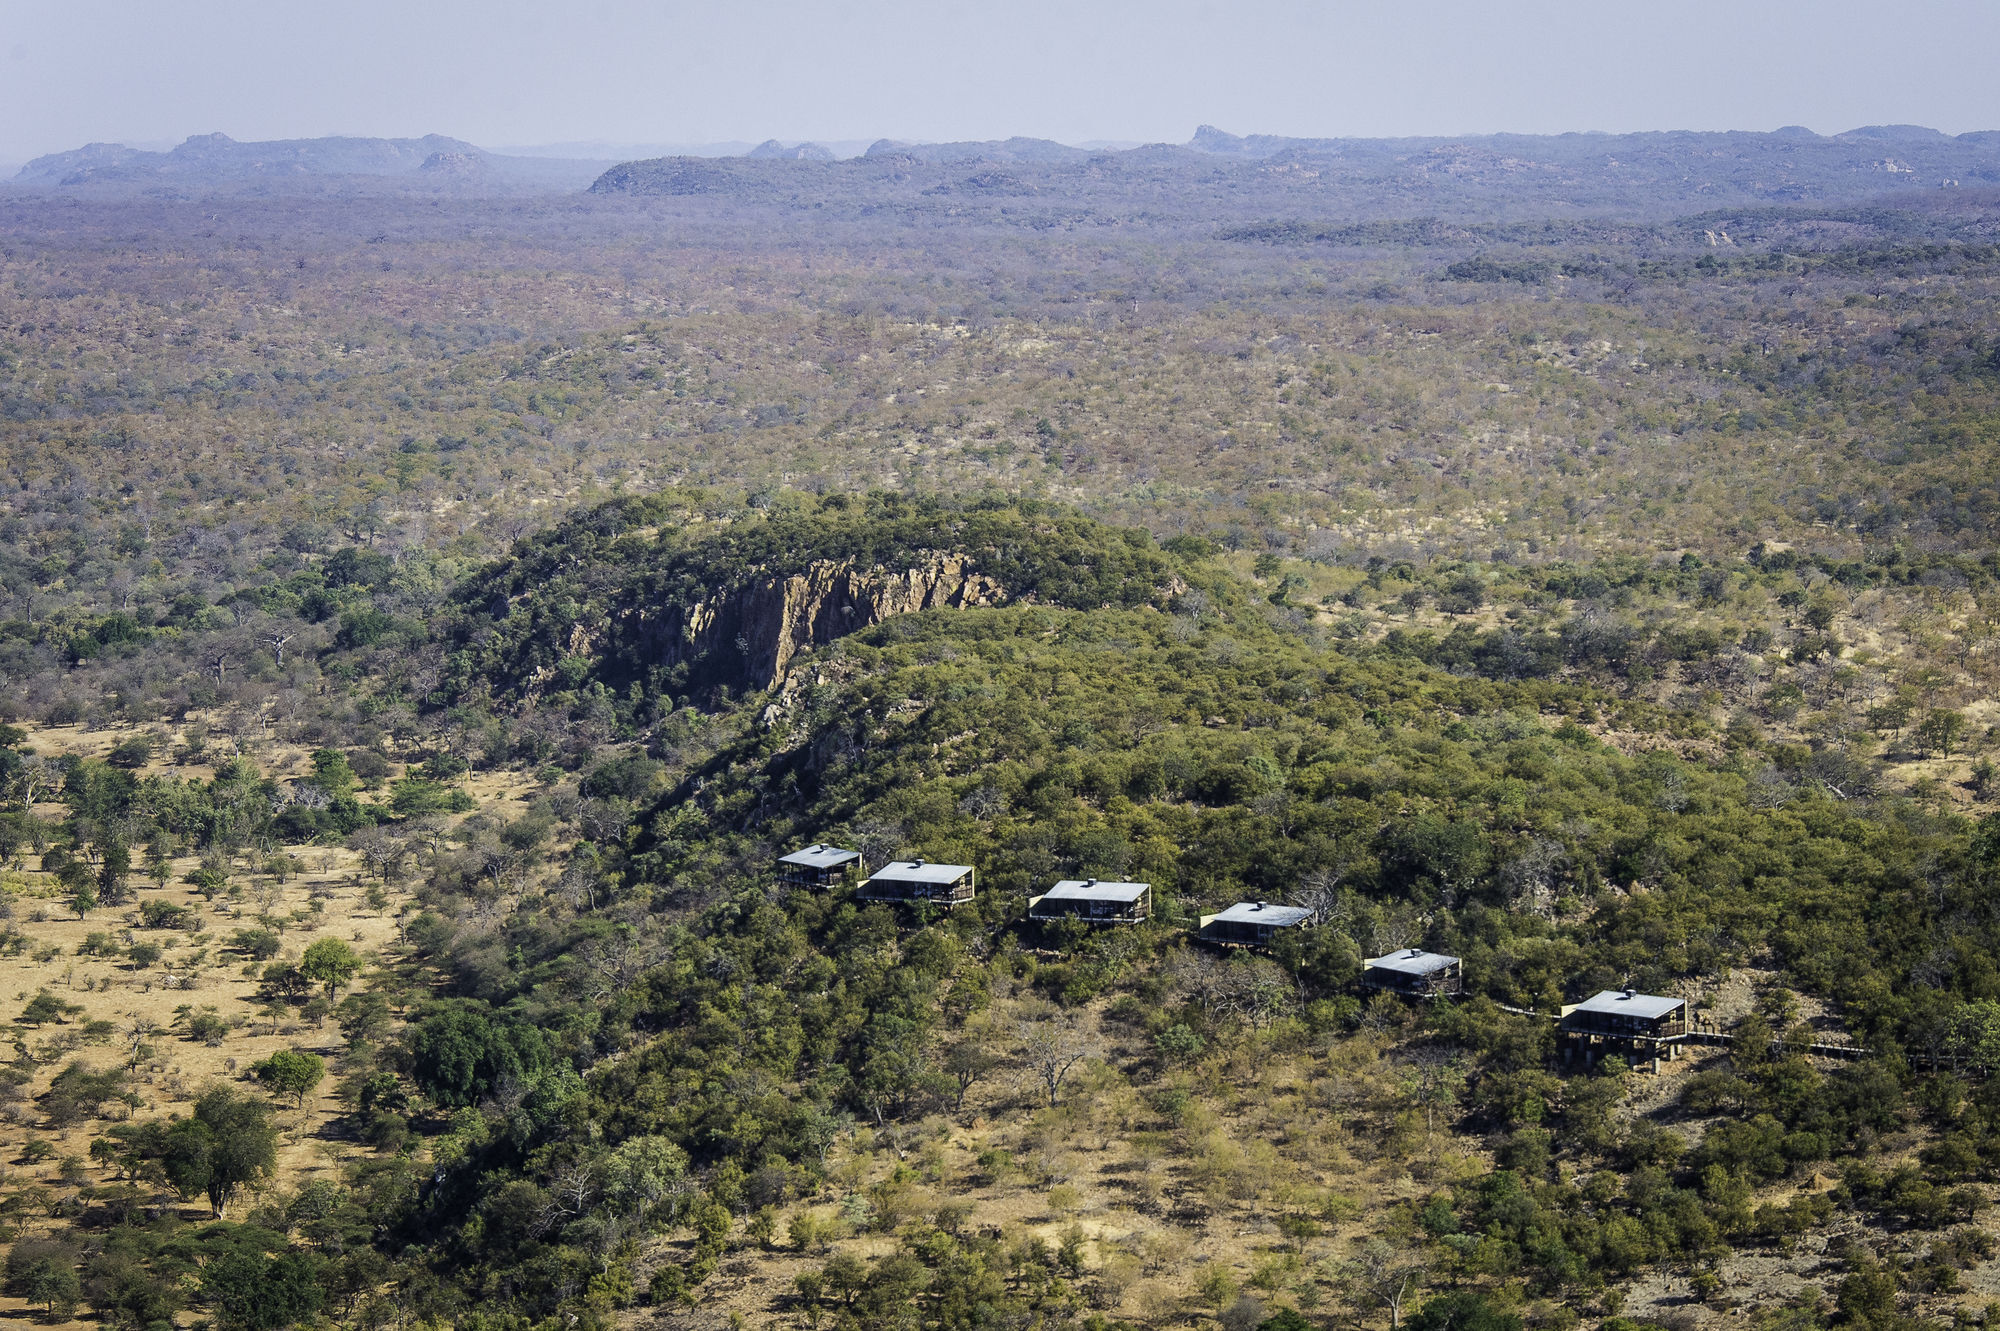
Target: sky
point(500, 72)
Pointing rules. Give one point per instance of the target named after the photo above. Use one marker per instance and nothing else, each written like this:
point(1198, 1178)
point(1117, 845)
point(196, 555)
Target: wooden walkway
point(1723, 1040)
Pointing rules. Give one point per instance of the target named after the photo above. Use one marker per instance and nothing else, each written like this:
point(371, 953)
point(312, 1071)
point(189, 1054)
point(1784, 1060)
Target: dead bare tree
point(38, 777)
point(571, 1191)
point(1319, 892)
point(611, 964)
point(1262, 993)
point(1052, 1044)
point(1433, 1075)
point(1199, 978)
point(380, 851)
point(1386, 1275)
point(431, 830)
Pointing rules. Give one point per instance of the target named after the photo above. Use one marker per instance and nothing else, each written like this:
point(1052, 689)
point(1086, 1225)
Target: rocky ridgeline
point(771, 620)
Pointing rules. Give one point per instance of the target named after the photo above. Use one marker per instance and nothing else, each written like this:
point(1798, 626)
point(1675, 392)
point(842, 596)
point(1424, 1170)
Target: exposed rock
point(453, 164)
point(764, 624)
point(798, 152)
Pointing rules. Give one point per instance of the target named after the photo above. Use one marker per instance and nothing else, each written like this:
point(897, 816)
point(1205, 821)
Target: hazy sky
point(508, 71)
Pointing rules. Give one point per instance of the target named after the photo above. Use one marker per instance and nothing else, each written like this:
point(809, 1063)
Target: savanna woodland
point(432, 600)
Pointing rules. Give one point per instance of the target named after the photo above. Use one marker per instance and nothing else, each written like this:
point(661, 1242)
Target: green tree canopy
point(293, 1072)
point(331, 962)
point(228, 1142)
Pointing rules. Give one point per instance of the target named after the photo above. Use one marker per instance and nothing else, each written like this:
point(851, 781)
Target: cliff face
point(753, 631)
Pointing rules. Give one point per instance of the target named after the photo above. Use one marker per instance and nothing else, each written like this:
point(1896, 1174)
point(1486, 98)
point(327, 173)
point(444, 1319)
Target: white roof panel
point(1625, 1003)
point(1071, 889)
point(919, 871)
point(1262, 912)
point(821, 857)
point(1412, 961)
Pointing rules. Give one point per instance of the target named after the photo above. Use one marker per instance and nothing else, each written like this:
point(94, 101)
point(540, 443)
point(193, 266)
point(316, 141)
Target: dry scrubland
point(1267, 1171)
point(134, 1017)
point(1609, 599)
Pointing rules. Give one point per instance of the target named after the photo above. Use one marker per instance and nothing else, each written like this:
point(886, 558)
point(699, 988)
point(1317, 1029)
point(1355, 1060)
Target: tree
point(1940, 730)
point(257, 944)
point(458, 1054)
point(382, 852)
point(966, 1062)
point(138, 1030)
point(331, 962)
point(45, 1006)
point(1463, 1310)
point(1433, 1076)
point(1387, 1275)
point(429, 830)
point(114, 866)
point(362, 1017)
point(292, 1072)
point(1052, 1045)
point(160, 859)
point(43, 1271)
point(228, 1142)
point(1463, 595)
point(819, 1131)
point(332, 773)
point(80, 881)
point(253, 1291)
point(646, 1178)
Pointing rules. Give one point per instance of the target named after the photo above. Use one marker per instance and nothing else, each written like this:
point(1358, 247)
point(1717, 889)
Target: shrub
point(207, 1026)
point(157, 914)
point(257, 944)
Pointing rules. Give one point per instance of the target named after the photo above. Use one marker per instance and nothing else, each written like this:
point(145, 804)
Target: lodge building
point(1624, 1022)
point(1093, 902)
point(1415, 972)
point(919, 881)
point(818, 866)
point(1253, 923)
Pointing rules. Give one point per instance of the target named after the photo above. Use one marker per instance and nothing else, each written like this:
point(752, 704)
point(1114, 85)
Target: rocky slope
point(768, 621)
point(656, 598)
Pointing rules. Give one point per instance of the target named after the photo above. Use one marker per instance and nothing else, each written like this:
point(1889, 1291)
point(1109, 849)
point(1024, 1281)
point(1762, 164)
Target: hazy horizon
point(511, 74)
point(609, 150)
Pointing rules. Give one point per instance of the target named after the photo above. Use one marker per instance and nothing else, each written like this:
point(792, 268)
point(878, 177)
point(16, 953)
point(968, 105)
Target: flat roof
point(920, 871)
point(1412, 961)
point(1262, 912)
point(820, 857)
point(1091, 889)
point(1626, 1003)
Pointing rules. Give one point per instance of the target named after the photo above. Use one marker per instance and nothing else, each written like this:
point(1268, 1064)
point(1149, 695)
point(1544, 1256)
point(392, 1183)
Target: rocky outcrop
point(754, 630)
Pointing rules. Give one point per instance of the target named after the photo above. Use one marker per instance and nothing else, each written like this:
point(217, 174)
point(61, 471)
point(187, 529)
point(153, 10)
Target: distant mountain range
point(1646, 177)
point(217, 159)
point(1580, 173)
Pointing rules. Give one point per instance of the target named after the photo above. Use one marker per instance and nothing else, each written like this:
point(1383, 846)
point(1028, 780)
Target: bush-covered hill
point(665, 1040)
point(655, 600)
point(613, 1066)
